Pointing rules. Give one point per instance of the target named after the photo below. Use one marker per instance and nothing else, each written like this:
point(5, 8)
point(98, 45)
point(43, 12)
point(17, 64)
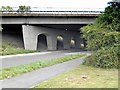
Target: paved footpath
point(15, 60)
point(32, 78)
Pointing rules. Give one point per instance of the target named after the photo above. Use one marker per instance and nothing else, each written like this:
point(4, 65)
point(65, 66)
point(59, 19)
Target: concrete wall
point(16, 40)
point(30, 34)
point(0, 39)
point(39, 38)
point(48, 20)
point(12, 34)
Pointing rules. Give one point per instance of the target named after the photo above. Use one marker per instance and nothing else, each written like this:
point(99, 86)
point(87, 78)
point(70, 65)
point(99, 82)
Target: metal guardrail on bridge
point(56, 11)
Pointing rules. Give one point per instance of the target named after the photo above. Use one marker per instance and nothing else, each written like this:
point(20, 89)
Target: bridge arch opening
point(83, 43)
point(42, 42)
point(60, 42)
point(73, 43)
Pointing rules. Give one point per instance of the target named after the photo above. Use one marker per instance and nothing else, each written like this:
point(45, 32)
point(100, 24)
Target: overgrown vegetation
point(24, 8)
point(21, 8)
point(6, 8)
point(103, 37)
point(9, 49)
point(83, 77)
point(21, 69)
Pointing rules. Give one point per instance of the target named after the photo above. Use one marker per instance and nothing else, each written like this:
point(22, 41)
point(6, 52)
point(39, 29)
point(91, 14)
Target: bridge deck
point(50, 17)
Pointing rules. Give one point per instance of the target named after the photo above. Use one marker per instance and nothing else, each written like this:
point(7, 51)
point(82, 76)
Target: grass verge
point(83, 77)
point(21, 69)
point(9, 49)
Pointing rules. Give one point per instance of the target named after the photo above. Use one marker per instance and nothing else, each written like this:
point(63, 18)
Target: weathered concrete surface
point(43, 37)
point(45, 14)
point(38, 18)
point(30, 37)
point(0, 38)
point(13, 35)
point(15, 40)
point(48, 20)
point(31, 28)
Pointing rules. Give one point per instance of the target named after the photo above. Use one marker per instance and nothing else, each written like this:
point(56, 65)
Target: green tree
point(3, 8)
point(6, 8)
point(111, 16)
point(103, 37)
point(27, 8)
point(24, 8)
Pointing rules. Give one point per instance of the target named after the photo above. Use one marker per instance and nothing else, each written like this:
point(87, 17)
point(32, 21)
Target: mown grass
point(83, 77)
point(21, 69)
point(9, 49)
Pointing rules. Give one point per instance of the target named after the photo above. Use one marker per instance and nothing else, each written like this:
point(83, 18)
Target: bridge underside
point(44, 36)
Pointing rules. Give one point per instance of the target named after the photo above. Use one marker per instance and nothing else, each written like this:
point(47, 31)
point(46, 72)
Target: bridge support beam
point(52, 42)
point(29, 37)
point(67, 42)
point(78, 41)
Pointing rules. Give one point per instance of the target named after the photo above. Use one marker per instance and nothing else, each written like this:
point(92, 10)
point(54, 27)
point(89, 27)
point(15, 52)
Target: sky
point(56, 3)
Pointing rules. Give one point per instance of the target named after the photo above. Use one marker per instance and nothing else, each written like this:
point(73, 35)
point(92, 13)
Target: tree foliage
point(6, 8)
point(103, 37)
point(24, 8)
point(111, 17)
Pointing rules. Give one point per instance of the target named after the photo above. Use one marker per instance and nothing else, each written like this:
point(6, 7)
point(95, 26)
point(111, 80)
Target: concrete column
point(1, 31)
point(29, 37)
point(66, 42)
point(52, 42)
point(0, 35)
point(77, 42)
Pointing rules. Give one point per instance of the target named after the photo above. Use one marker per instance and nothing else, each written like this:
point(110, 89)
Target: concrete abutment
point(38, 37)
point(29, 37)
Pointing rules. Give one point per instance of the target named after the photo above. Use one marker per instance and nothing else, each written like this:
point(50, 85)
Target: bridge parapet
point(28, 14)
point(52, 13)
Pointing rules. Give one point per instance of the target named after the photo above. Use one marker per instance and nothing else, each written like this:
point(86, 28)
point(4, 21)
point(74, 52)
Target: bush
point(107, 58)
point(90, 60)
point(104, 58)
point(103, 37)
point(105, 44)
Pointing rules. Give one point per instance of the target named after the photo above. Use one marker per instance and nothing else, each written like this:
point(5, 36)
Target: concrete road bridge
point(46, 30)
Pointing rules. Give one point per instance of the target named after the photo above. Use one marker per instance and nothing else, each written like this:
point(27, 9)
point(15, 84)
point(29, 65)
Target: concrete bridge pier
point(31, 33)
point(78, 41)
point(52, 42)
point(67, 42)
point(29, 37)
